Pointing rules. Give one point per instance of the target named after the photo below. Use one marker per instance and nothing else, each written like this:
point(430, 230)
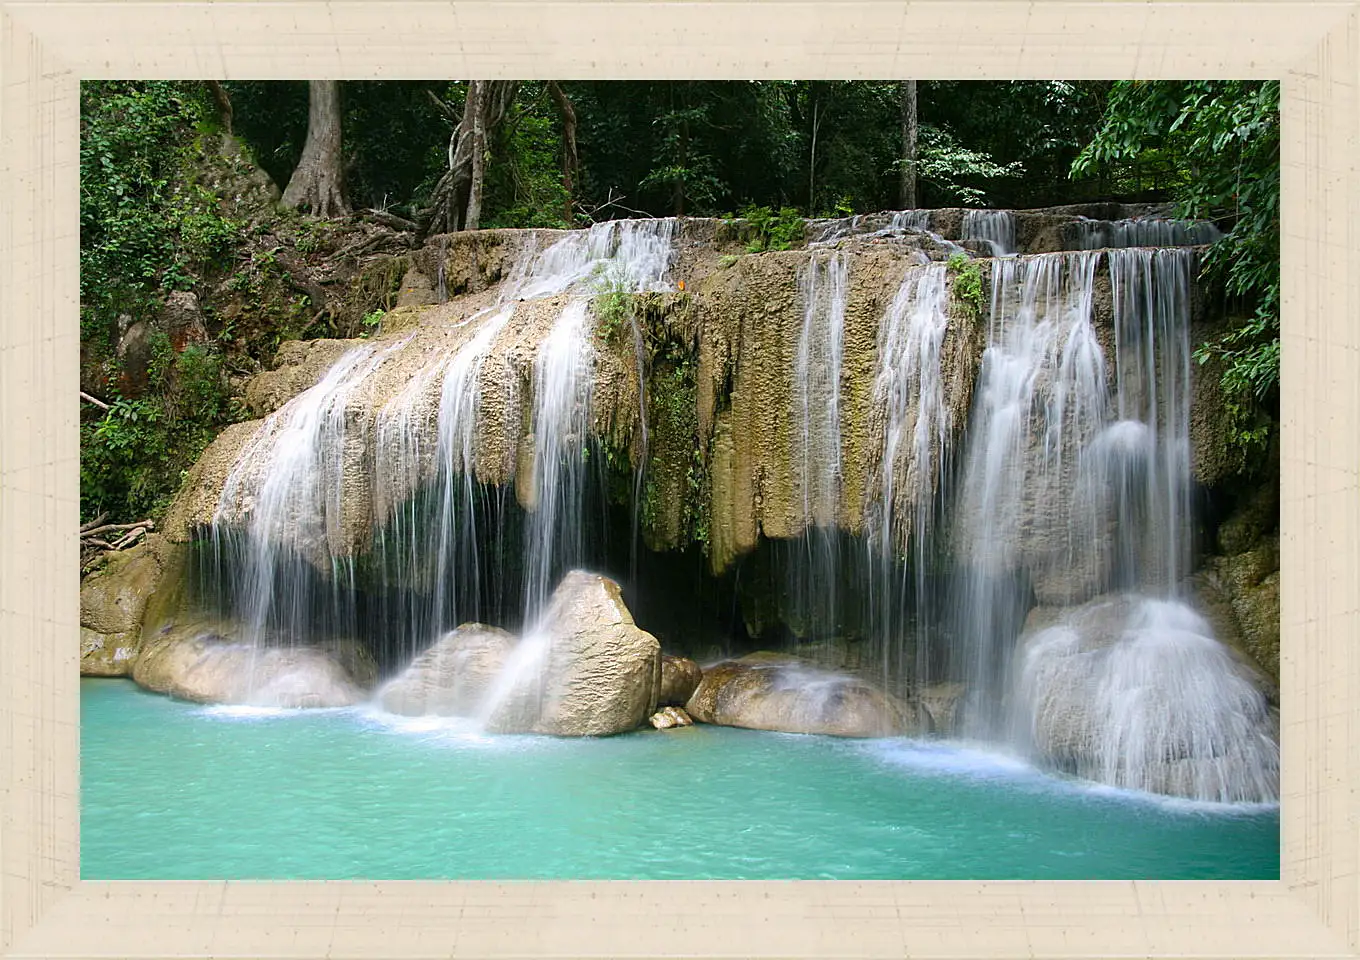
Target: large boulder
point(113, 603)
point(585, 670)
point(206, 661)
point(680, 677)
point(454, 677)
point(766, 691)
point(1137, 693)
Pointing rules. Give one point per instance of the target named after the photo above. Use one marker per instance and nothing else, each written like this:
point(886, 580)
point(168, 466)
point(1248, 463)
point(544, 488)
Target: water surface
point(178, 791)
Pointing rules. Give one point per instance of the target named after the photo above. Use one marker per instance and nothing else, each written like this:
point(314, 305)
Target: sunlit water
point(176, 791)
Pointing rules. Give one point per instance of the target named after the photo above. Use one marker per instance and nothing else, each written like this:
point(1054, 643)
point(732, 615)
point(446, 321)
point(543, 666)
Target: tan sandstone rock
point(113, 604)
point(766, 691)
point(680, 677)
point(206, 662)
point(670, 718)
point(453, 677)
point(586, 670)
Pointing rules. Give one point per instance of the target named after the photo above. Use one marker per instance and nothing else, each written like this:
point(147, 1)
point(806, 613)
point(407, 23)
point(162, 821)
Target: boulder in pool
point(586, 670)
point(453, 677)
point(206, 661)
point(768, 691)
point(1137, 693)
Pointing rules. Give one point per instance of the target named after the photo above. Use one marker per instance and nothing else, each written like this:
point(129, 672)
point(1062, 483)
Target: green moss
point(614, 306)
point(675, 508)
point(967, 283)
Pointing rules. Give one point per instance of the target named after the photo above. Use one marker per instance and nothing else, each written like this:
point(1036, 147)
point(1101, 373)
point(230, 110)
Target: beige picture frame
point(48, 46)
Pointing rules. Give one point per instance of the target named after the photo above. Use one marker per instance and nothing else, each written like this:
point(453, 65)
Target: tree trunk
point(223, 101)
point(570, 159)
point(457, 200)
point(317, 185)
point(908, 197)
point(812, 165)
point(474, 208)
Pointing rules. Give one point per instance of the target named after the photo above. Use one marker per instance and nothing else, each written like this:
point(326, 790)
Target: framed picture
point(500, 500)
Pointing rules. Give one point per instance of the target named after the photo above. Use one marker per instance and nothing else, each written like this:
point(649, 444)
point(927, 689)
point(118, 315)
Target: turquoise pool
point(177, 791)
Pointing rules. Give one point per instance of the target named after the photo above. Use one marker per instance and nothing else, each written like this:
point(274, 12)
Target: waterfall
point(284, 494)
point(910, 220)
point(1076, 492)
point(1144, 232)
point(817, 442)
point(629, 255)
point(1150, 457)
point(1038, 565)
point(1039, 396)
point(1160, 705)
point(828, 232)
point(909, 396)
point(817, 386)
point(281, 561)
point(562, 381)
point(996, 228)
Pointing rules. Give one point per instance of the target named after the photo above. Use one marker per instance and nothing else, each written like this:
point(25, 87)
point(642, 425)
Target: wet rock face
point(1137, 693)
point(766, 691)
point(107, 654)
point(453, 677)
point(206, 661)
point(113, 603)
point(940, 703)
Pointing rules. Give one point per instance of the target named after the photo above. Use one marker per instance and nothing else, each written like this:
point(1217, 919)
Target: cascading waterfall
point(817, 442)
point(996, 228)
point(1075, 487)
point(1040, 395)
point(280, 528)
point(1148, 456)
point(562, 380)
point(910, 395)
point(817, 386)
point(283, 493)
point(910, 220)
point(828, 232)
point(1144, 232)
point(1042, 576)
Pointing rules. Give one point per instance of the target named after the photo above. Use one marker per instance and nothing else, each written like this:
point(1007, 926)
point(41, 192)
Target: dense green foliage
point(147, 227)
point(144, 227)
point(966, 283)
point(697, 147)
point(1214, 147)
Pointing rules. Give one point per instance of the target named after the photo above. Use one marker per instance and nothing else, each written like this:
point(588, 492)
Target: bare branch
point(389, 220)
